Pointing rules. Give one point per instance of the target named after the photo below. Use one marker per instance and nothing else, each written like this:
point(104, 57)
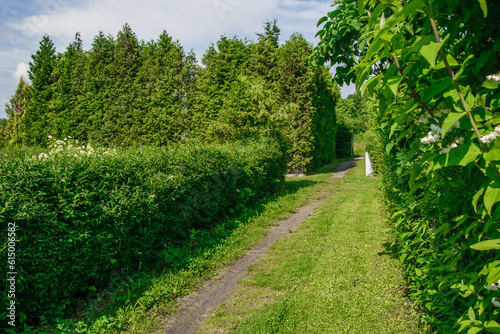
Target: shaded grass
point(332, 275)
point(137, 302)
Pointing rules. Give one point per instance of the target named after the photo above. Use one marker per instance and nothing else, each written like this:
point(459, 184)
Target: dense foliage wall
point(246, 89)
point(431, 67)
point(123, 92)
point(81, 214)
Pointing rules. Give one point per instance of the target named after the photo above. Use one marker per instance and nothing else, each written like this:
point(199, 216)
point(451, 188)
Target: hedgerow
point(80, 218)
point(431, 67)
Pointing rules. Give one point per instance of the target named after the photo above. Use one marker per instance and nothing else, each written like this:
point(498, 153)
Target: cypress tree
point(70, 118)
point(166, 77)
point(36, 121)
point(15, 110)
point(99, 78)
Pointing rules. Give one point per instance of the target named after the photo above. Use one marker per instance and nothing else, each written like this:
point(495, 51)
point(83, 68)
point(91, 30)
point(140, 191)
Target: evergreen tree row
point(126, 92)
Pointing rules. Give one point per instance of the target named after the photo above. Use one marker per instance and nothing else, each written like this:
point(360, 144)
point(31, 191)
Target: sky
point(195, 23)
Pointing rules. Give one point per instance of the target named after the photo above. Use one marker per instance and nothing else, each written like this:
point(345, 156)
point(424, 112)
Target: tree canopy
point(127, 92)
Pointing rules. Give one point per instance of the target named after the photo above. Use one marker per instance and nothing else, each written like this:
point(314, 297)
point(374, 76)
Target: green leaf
point(450, 120)
point(388, 148)
point(474, 330)
point(477, 196)
point(487, 245)
point(486, 56)
point(418, 272)
point(436, 88)
point(472, 315)
point(493, 272)
point(400, 15)
point(464, 324)
point(321, 20)
point(361, 6)
point(493, 153)
point(430, 51)
point(370, 84)
point(484, 7)
point(459, 156)
point(490, 84)
point(491, 196)
point(492, 326)
point(393, 84)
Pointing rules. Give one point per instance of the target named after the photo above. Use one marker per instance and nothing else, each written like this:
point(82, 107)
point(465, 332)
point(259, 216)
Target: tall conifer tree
point(36, 121)
point(15, 111)
point(70, 118)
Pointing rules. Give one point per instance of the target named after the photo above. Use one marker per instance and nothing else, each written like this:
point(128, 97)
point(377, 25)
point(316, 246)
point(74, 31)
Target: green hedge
point(344, 142)
point(79, 221)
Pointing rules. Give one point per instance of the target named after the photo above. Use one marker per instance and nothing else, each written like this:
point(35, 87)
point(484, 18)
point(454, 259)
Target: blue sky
point(195, 23)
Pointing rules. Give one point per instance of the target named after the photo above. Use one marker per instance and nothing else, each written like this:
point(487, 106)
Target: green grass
point(312, 281)
point(333, 275)
point(137, 302)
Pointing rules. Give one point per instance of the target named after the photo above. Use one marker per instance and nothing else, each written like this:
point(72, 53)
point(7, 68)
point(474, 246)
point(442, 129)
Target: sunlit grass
point(333, 275)
point(137, 303)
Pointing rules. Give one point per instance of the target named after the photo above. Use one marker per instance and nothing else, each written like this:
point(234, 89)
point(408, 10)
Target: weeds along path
point(196, 307)
point(329, 273)
point(334, 274)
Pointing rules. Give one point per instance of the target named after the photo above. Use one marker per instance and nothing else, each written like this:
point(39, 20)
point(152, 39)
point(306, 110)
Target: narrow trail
point(196, 307)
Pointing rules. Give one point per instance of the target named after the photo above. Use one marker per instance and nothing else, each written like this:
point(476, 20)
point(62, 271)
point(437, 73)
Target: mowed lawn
point(335, 274)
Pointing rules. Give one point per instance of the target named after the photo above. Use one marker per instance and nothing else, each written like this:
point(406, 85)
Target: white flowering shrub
point(72, 148)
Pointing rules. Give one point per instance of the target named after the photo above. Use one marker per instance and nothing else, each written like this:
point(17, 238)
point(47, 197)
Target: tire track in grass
point(333, 275)
point(195, 308)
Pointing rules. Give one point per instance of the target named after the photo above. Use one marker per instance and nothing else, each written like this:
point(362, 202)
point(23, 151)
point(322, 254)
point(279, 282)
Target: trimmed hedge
point(79, 221)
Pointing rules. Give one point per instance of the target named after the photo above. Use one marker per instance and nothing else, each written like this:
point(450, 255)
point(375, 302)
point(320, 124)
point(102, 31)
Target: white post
point(368, 165)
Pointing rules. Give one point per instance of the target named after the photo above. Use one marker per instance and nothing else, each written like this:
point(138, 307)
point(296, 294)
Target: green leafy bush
point(343, 141)
point(431, 67)
point(80, 220)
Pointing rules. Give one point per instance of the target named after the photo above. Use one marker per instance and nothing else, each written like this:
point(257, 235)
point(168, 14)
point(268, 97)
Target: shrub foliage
point(79, 219)
point(431, 67)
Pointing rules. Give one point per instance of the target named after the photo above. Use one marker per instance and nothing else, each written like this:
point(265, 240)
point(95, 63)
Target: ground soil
point(193, 309)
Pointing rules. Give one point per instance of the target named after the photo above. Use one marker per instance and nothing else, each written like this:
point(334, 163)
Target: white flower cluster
point(491, 136)
point(433, 136)
point(493, 287)
point(68, 147)
point(496, 301)
point(456, 250)
point(425, 118)
point(494, 77)
point(453, 144)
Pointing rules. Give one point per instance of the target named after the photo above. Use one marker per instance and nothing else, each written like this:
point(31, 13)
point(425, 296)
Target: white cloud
point(21, 71)
point(195, 23)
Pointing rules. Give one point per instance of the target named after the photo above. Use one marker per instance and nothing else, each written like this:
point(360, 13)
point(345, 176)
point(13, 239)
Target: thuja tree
point(220, 108)
point(308, 96)
point(431, 67)
point(67, 116)
point(122, 92)
point(252, 89)
point(15, 109)
point(35, 122)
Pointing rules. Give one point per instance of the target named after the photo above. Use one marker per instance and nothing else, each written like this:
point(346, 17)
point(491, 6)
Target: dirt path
point(344, 167)
point(196, 307)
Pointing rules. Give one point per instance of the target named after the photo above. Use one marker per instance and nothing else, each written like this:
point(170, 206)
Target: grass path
point(333, 275)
